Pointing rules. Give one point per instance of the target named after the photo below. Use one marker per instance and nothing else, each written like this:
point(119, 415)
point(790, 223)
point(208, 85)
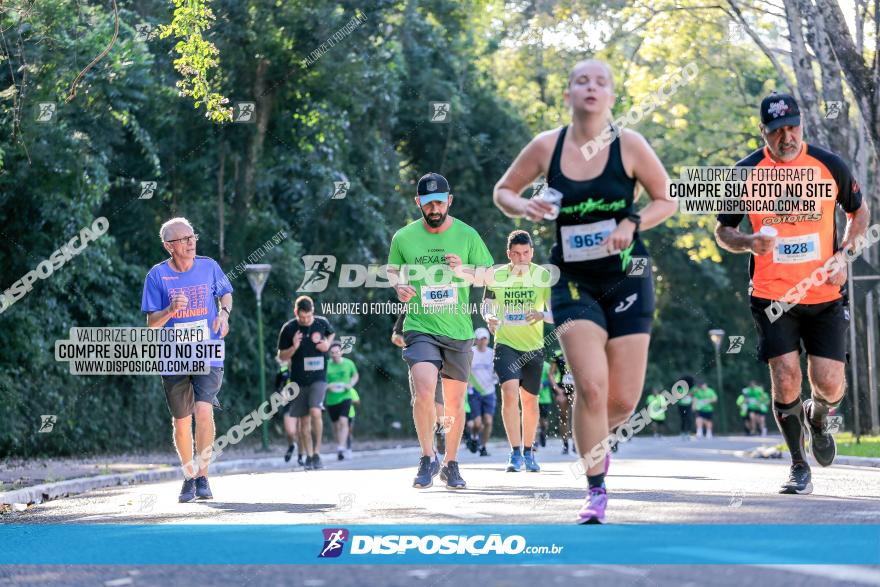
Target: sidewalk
point(33, 481)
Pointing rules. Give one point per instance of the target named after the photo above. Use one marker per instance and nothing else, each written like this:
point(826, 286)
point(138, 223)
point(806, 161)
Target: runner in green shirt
point(685, 407)
point(704, 397)
point(545, 404)
point(515, 308)
point(432, 264)
point(742, 402)
point(657, 405)
point(759, 405)
point(342, 376)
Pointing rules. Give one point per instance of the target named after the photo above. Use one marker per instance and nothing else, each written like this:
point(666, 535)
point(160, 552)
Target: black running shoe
point(289, 454)
point(300, 461)
point(425, 476)
point(565, 448)
point(451, 476)
point(308, 464)
point(821, 443)
point(484, 452)
point(798, 481)
point(188, 491)
point(472, 445)
point(316, 462)
point(203, 490)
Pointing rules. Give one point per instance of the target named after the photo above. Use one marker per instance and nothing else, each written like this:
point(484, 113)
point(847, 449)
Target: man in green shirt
point(545, 404)
point(759, 405)
point(432, 264)
point(742, 402)
point(515, 308)
point(342, 376)
point(704, 397)
point(657, 405)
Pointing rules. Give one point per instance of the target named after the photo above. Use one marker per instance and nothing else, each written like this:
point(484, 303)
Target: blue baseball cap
point(432, 187)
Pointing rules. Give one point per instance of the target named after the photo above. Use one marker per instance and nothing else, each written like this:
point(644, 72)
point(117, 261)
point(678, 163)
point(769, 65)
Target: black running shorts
point(620, 304)
point(821, 328)
point(526, 366)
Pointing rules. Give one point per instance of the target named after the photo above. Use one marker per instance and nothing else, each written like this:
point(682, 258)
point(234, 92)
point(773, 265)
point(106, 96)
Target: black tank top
point(606, 197)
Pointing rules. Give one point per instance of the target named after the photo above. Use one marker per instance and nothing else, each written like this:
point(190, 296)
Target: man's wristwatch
point(225, 309)
point(635, 219)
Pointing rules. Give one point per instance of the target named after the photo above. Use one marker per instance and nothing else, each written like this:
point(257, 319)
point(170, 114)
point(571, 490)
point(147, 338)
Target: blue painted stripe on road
point(168, 544)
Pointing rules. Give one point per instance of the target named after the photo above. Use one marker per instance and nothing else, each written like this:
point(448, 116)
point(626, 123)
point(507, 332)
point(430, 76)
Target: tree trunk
point(221, 200)
point(803, 72)
point(864, 81)
point(839, 134)
point(263, 104)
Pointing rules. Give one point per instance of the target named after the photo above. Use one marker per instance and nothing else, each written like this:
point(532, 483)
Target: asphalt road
point(651, 481)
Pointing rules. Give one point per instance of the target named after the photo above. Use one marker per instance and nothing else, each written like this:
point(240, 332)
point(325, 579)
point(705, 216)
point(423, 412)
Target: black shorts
point(704, 415)
point(526, 366)
point(339, 410)
point(822, 328)
point(620, 304)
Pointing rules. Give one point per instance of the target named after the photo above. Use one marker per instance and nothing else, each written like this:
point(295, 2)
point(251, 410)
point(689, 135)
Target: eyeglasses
point(186, 239)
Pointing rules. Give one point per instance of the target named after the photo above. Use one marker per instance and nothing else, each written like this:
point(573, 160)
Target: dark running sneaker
point(308, 464)
point(289, 454)
point(484, 452)
point(316, 462)
point(188, 491)
point(451, 476)
point(798, 481)
point(300, 461)
point(340, 455)
point(425, 476)
point(472, 445)
point(203, 490)
point(821, 443)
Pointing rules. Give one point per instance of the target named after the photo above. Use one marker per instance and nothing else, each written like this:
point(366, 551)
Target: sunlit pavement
point(654, 481)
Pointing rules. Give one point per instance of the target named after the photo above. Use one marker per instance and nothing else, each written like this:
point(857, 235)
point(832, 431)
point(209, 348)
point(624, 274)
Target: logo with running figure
point(833, 424)
point(440, 111)
point(47, 423)
point(334, 540)
point(735, 344)
point(637, 267)
point(319, 268)
point(347, 343)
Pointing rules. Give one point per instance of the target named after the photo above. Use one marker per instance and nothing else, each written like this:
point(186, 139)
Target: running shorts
point(182, 391)
point(620, 304)
point(482, 405)
point(821, 328)
point(526, 366)
point(339, 410)
point(704, 415)
point(451, 356)
point(310, 395)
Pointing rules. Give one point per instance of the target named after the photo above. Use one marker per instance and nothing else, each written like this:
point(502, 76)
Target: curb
point(870, 462)
point(857, 461)
point(49, 491)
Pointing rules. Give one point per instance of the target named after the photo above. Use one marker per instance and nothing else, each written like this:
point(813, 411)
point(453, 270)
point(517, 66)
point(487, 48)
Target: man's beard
point(434, 223)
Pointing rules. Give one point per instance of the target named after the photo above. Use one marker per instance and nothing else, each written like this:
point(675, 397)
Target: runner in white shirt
point(482, 382)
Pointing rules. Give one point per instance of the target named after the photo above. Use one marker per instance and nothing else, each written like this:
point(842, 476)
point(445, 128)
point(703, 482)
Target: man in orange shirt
point(781, 259)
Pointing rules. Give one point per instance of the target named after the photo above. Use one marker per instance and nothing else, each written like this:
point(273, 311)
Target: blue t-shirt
point(202, 284)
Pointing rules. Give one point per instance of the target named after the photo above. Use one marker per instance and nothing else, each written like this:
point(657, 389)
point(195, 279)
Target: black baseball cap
point(780, 110)
point(432, 186)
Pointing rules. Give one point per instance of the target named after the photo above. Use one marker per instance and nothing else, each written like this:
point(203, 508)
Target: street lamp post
point(716, 335)
point(257, 276)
